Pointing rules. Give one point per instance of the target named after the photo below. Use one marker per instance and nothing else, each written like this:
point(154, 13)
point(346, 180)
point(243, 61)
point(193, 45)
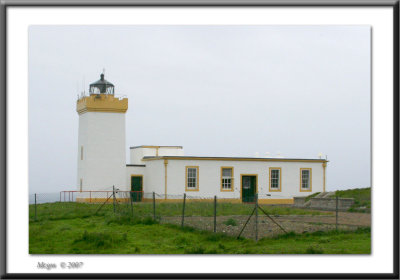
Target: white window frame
point(189, 176)
point(279, 188)
point(227, 183)
point(309, 180)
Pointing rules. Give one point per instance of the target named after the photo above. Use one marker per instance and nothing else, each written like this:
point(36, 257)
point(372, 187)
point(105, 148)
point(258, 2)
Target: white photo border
point(383, 138)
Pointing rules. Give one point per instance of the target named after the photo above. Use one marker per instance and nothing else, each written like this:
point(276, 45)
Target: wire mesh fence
point(254, 219)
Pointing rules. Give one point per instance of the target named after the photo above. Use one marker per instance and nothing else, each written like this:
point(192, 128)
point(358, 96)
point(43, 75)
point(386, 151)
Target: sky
point(230, 90)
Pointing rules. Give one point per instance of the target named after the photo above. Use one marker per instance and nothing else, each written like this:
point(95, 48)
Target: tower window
point(80, 186)
point(81, 152)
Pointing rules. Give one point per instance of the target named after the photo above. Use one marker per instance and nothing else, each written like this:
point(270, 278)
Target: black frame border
point(198, 3)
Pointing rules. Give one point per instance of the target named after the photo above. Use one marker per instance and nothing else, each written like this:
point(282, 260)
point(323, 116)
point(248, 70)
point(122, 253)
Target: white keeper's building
point(166, 171)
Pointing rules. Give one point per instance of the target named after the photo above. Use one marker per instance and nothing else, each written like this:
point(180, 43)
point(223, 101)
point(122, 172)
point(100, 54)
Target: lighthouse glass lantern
point(102, 86)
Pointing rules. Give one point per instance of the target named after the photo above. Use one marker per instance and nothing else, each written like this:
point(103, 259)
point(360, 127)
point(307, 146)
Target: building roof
point(233, 158)
point(153, 146)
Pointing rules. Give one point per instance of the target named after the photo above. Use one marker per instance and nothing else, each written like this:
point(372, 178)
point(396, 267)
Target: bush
point(230, 222)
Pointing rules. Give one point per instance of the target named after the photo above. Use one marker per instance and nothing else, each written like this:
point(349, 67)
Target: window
point(192, 178)
point(81, 152)
point(305, 179)
point(80, 185)
point(226, 178)
point(274, 179)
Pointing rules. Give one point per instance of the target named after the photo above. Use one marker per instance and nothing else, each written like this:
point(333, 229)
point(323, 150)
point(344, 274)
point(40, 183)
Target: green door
point(248, 188)
point(136, 188)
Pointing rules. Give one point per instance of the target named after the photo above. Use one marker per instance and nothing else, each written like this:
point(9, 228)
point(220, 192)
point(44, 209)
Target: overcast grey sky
point(216, 90)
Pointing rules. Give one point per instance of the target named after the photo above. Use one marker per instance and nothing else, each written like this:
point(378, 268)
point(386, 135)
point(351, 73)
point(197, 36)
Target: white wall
point(102, 136)
point(170, 151)
point(154, 177)
point(138, 153)
point(210, 176)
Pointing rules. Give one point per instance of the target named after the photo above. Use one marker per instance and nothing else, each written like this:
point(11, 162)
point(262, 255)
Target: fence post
point(183, 209)
point(215, 213)
point(256, 216)
point(64, 196)
point(337, 202)
point(60, 196)
point(154, 206)
point(114, 199)
point(35, 208)
point(90, 196)
point(130, 194)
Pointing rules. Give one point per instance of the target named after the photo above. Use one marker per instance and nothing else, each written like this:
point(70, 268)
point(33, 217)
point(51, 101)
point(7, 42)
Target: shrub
point(230, 222)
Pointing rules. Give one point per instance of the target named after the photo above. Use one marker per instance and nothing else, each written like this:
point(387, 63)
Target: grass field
point(74, 228)
point(362, 199)
point(68, 210)
point(106, 235)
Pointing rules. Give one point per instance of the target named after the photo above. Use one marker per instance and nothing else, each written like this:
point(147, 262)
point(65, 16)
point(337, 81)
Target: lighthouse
point(101, 139)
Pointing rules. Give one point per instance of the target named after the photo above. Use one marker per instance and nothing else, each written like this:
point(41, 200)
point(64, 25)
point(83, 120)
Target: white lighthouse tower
point(101, 139)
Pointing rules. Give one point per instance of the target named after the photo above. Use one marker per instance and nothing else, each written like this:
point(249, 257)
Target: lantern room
point(102, 86)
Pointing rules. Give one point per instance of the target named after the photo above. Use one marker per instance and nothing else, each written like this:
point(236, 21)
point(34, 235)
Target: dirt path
point(296, 223)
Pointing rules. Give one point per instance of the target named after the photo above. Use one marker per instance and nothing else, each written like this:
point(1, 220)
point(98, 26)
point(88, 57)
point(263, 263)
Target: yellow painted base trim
point(276, 201)
point(222, 200)
point(169, 200)
point(100, 200)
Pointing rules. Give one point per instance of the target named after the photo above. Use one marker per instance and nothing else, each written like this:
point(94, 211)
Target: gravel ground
point(267, 228)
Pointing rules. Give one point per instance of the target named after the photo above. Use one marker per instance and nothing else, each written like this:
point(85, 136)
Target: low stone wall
point(299, 201)
point(330, 203)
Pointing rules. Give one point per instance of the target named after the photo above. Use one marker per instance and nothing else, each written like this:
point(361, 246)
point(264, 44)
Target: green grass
point(362, 199)
point(108, 235)
point(72, 210)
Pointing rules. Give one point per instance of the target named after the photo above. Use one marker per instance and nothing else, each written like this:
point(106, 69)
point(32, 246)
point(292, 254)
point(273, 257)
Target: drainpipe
point(324, 167)
point(165, 178)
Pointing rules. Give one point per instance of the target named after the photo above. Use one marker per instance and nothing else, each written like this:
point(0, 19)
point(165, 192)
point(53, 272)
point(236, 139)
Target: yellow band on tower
point(101, 103)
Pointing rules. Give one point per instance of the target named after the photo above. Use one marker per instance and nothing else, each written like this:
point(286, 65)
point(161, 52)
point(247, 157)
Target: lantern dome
point(101, 86)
